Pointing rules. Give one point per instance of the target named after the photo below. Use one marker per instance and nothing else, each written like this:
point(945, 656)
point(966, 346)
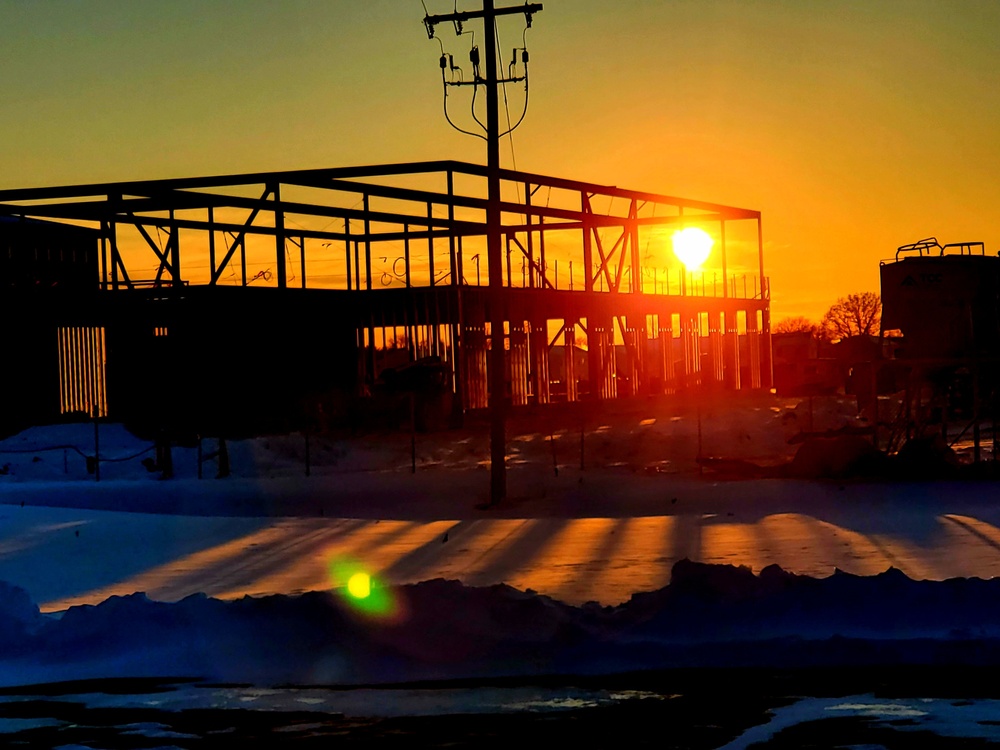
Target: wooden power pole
point(494, 252)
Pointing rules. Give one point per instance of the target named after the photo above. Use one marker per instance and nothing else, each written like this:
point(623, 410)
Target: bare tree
point(853, 315)
point(796, 324)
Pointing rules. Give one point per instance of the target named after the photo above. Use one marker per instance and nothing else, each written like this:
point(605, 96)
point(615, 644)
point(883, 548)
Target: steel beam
point(316, 178)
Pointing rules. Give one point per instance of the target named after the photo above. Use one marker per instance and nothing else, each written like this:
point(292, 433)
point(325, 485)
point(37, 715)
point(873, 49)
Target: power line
point(450, 72)
point(510, 130)
point(494, 250)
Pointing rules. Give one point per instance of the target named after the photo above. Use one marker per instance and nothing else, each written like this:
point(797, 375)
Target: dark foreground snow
point(718, 616)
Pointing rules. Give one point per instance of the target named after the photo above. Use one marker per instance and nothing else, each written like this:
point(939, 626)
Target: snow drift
point(709, 615)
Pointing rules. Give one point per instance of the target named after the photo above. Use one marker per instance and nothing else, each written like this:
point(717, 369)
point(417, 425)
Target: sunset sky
point(854, 127)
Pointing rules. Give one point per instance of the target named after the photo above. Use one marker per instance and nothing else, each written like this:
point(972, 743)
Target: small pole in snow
point(223, 459)
point(413, 433)
point(167, 463)
point(700, 467)
point(306, 433)
point(552, 441)
point(874, 392)
point(993, 423)
point(976, 450)
point(97, 449)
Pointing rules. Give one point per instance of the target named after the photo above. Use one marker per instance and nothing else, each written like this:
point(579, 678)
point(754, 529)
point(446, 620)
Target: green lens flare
point(361, 590)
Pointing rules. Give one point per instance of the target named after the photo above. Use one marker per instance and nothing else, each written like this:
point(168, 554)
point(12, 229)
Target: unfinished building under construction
point(256, 300)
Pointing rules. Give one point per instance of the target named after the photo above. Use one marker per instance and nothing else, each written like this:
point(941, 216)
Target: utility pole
point(494, 252)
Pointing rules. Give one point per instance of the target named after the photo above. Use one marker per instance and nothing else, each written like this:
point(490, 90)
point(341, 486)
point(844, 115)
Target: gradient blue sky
point(853, 126)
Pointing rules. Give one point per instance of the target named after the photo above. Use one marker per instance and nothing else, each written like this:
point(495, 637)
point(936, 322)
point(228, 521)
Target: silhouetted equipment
point(48, 273)
point(945, 299)
point(423, 388)
point(43, 254)
point(167, 332)
point(804, 365)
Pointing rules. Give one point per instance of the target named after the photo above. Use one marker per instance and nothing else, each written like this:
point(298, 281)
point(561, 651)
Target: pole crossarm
point(467, 15)
point(482, 81)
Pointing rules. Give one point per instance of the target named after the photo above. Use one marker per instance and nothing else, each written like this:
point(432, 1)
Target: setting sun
point(692, 246)
point(360, 585)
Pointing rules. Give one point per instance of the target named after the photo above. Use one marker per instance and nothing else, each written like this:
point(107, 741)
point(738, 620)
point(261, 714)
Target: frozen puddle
point(177, 714)
point(943, 717)
point(357, 702)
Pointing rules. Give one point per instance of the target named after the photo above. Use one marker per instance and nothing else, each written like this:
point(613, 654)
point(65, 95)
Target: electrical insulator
point(474, 55)
point(444, 62)
point(524, 56)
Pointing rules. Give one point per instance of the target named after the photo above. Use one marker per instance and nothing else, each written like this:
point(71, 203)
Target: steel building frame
point(342, 217)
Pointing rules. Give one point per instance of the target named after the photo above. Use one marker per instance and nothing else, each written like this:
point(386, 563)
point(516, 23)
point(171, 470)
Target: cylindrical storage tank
point(945, 306)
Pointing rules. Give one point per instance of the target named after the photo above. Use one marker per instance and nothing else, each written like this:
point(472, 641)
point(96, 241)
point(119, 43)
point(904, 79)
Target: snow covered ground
point(649, 437)
point(598, 534)
point(610, 534)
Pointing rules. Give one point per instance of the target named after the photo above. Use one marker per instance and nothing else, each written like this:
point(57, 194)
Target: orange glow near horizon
point(816, 114)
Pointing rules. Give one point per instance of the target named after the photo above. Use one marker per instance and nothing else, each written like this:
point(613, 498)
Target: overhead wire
point(476, 81)
point(524, 52)
point(444, 86)
point(510, 128)
point(503, 86)
point(448, 117)
point(475, 91)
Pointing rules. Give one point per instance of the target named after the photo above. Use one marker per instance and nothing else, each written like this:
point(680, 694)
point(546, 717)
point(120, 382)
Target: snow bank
point(708, 616)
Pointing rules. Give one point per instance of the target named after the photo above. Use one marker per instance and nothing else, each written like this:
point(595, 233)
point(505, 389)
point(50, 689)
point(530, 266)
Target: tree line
point(854, 315)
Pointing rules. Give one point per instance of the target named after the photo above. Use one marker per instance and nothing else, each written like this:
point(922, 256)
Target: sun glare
point(363, 592)
point(692, 246)
point(360, 585)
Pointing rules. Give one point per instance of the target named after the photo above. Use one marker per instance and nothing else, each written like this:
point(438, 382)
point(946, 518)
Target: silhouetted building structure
point(254, 301)
point(804, 365)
